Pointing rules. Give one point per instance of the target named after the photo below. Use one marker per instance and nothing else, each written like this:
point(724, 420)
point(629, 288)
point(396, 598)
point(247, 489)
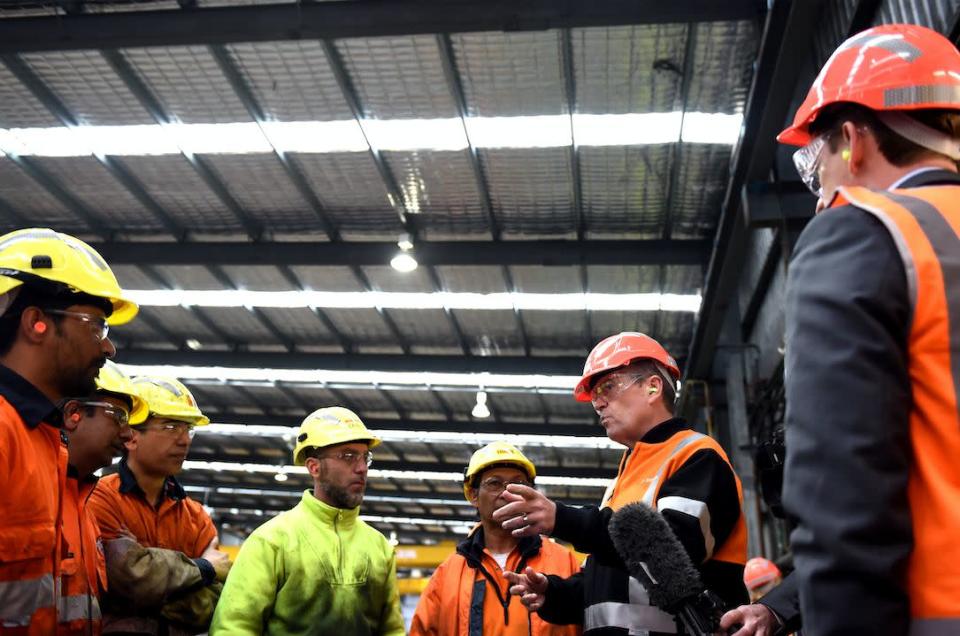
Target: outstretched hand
point(530, 586)
point(755, 619)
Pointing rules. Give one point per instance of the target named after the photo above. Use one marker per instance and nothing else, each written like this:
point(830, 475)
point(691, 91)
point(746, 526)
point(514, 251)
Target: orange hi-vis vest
point(33, 471)
point(644, 470)
point(925, 225)
point(83, 570)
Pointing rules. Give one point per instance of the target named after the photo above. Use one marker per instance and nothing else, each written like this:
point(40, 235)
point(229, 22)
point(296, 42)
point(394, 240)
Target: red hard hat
point(619, 351)
point(759, 571)
point(890, 67)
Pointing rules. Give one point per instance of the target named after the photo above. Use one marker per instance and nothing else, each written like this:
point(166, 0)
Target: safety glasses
point(808, 160)
point(99, 324)
point(612, 386)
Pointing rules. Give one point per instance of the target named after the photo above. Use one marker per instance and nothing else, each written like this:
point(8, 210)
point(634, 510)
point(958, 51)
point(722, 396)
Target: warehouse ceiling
point(560, 171)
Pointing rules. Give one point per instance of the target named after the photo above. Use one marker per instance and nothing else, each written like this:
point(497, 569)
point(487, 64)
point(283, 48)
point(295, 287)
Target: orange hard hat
point(619, 351)
point(759, 571)
point(891, 67)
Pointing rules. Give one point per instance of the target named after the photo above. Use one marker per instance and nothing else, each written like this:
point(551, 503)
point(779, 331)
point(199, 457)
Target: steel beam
point(494, 253)
point(789, 28)
point(546, 365)
point(347, 19)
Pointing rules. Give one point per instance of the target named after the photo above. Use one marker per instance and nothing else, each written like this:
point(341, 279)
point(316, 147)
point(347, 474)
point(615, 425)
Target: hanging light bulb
point(404, 261)
point(480, 409)
point(280, 476)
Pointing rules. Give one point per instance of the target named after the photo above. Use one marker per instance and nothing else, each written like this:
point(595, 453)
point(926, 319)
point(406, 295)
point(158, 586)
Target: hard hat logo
point(329, 426)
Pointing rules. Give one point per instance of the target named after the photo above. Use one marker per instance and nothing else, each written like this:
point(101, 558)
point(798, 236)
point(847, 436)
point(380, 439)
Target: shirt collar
point(910, 175)
point(128, 483)
point(30, 403)
point(664, 431)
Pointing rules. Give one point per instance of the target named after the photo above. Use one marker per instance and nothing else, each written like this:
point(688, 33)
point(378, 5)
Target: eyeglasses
point(173, 429)
point(612, 386)
point(497, 485)
point(120, 416)
point(808, 161)
point(351, 457)
point(99, 323)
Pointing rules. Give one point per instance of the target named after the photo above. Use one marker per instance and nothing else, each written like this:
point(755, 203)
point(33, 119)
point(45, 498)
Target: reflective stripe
point(910, 95)
point(935, 627)
point(693, 508)
point(77, 607)
point(655, 484)
point(20, 600)
point(637, 616)
point(946, 247)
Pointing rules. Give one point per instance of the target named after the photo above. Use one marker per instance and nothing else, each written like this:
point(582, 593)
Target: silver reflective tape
point(636, 619)
point(696, 509)
point(77, 607)
point(20, 600)
point(912, 95)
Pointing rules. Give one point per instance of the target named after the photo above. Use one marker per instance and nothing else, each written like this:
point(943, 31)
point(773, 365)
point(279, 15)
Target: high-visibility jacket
point(178, 523)
point(688, 478)
point(468, 594)
point(314, 569)
point(925, 225)
point(33, 471)
point(83, 573)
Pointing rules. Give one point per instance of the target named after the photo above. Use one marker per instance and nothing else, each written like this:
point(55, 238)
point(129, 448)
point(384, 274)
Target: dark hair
point(52, 296)
point(894, 148)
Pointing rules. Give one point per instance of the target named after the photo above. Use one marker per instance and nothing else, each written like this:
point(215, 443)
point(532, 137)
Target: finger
point(524, 531)
point(512, 496)
point(526, 492)
point(213, 544)
point(512, 577)
point(518, 590)
point(731, 618)
point(513, 509)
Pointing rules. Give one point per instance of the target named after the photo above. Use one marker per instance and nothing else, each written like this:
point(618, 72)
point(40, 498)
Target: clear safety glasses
point(99, 324)
point(808, 160)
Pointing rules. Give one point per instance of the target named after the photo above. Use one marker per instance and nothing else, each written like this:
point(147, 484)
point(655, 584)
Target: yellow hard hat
point(167, 397)
point(329, 426)
point(114, 381)
point(496, 453)
point(40, 254)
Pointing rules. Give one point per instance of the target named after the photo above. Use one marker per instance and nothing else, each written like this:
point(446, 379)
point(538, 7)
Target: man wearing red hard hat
point(872, 364)
point(631, 381)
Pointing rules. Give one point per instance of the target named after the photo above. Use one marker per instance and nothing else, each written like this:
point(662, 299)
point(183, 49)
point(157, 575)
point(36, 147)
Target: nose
point(126, 433)
point(360, 467)
point(109, 350)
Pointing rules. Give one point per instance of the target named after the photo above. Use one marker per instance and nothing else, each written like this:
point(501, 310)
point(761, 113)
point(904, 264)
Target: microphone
point(655, 557)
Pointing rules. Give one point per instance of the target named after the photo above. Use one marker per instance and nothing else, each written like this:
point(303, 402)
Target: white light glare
point(538, 131)
point(409, 475)
point(413, 379)
point(480, 409)
point(426, 437)
point(404, 262)
point(415, 300)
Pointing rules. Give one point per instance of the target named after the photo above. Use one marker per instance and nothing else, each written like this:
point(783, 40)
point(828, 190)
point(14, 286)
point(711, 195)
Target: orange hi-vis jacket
point(925, 225)
point(178, 523)
point(33, 470)
point(83, 570)
point(466, 594)
point(643, 472)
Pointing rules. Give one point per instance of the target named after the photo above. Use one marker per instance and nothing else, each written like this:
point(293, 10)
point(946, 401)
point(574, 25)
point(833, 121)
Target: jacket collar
point(30, 403)
point(128, 483)
point(472, 547)
point(933, 177)
point(664, 431)
point(344, 517)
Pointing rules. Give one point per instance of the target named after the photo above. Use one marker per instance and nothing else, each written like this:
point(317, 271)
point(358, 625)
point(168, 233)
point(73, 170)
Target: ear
point(655, 387)
point(72, 414)
point(857, 142)
point(131, 444)
point(473, 495)
point(313, 466)
point(33, 325)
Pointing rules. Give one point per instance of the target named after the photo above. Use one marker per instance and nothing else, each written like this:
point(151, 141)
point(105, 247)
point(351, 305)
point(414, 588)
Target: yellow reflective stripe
point(20, 600)
point(79, 607)
point(935, 627)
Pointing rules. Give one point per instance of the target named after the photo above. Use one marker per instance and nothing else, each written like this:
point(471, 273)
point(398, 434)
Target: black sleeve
point(847, 426)
point(785, 603)
point(563, 602)
point(586, 528)
point(701, 503)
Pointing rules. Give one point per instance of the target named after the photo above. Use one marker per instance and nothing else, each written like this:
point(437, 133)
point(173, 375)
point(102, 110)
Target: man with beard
point(318, 568)
point(468, 593)
point(144, 506)
point(57, 296)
